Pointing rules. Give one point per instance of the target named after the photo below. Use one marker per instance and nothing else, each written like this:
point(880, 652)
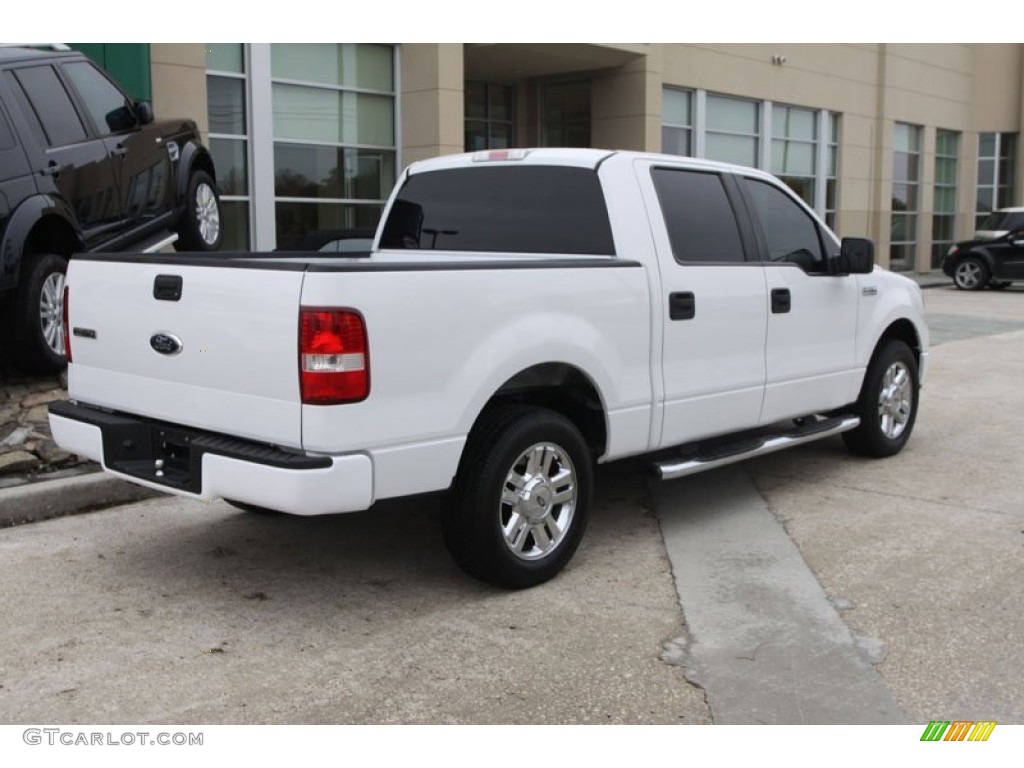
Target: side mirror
point(856, 257)
point(144, 112)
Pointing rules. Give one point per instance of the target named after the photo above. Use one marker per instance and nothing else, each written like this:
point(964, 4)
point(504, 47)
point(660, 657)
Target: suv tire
point(201, 227)
point(35, 314)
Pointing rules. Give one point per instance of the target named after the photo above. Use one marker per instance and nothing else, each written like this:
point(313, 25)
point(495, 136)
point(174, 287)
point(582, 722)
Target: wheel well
point(903, 330)
point(203, 162)
point(51, 234)
point(562, 388)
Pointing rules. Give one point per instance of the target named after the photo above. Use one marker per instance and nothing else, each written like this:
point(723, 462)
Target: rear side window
point(52, 105)
point(505, 209)
point(700, 220)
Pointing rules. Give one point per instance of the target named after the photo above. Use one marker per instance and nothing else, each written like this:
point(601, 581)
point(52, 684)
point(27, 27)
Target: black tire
point(201, 227)
point(246, 507)
point(885, 426)
point(475, 519)
point(34, 315)
point(971, 274)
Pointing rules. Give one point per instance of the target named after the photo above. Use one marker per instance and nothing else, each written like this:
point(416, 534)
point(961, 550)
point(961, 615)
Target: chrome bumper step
point(704, 458)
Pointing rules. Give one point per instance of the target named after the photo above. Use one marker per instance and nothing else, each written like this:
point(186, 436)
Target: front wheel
point(200, 228)
point(888, 403)
point(521, 497)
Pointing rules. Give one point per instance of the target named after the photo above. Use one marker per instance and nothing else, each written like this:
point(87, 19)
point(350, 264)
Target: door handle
point(53, 168)
point(682, 306)
point(120, 150)
point(781, 301)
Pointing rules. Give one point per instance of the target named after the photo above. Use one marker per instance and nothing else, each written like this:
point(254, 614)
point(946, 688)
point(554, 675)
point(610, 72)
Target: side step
point(747, 448)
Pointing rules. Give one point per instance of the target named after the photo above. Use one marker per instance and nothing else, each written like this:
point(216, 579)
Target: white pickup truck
point(521, 315)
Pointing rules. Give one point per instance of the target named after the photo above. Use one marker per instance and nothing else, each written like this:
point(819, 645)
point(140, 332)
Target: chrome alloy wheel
point(51, 312)
point(968, 274)
point(538, 501)
point(895, 400)
point(207, 213)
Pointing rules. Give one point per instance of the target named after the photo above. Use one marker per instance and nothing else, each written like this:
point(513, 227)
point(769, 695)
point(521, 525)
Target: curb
point(67, 496)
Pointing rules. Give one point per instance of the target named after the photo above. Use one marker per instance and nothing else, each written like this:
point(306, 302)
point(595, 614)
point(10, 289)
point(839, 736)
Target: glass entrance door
point(565, 114)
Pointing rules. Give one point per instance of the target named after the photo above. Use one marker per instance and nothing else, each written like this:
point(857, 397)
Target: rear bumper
point(205, 466)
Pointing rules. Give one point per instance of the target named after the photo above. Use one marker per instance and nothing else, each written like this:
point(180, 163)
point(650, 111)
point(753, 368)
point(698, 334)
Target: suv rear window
point(505, 209)
point(1002, 220)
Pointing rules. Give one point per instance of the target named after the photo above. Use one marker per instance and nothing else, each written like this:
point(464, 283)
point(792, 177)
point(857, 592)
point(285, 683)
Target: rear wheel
point(35, 314)
point(888, 403)
point(971, 274)
point(521, 497)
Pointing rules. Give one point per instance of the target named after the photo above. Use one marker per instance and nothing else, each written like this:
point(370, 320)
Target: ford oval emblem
point(165, 343)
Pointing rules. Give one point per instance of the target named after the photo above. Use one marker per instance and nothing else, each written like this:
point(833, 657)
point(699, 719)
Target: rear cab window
point(699, 218)
point(502, 209)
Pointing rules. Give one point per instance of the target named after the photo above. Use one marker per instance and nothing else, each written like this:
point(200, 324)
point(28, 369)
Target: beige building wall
point(966, 88)
point(431, 100)
point(179, 82)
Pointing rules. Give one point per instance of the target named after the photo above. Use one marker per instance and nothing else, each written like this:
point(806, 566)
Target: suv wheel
point(35, 314)
point(971, 274)
point(201, 226)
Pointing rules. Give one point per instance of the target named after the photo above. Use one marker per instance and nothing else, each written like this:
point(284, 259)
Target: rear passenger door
point(812, 317)
point(714, 307)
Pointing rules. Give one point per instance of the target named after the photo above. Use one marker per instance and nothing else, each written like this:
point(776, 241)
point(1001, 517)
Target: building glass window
point(490, 115)
point(565, 114)
point(832, 172)
point(677, 122)
point(947, 152)
point(906, 178)
point(334, 135)
point(997, 166)
point(795, 149)
point(228, 139)
point(732, 130)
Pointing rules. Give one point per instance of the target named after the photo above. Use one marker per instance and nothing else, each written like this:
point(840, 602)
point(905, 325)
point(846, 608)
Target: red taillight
point(67, 328)
point(334, 360)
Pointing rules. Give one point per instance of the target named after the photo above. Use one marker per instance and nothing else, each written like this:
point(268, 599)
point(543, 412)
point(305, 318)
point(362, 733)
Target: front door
point(139, 158)
point(714, 306)
point(68, 160)
point(812, 318)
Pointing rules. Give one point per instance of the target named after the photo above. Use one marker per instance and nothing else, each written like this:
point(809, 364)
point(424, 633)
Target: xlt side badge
point(165, 343)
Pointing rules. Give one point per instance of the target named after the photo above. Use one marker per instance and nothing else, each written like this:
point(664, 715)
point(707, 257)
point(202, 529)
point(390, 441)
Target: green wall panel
point(128, 63)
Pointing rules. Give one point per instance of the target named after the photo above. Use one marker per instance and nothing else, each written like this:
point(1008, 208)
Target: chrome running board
point(751, 447)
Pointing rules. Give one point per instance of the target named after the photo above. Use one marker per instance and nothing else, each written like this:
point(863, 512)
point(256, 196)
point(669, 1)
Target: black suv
point(994, 258)
point(84, 168)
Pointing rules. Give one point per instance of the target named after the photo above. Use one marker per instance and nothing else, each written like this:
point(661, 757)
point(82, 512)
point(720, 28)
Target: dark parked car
point(83, 167)
point(994, 258)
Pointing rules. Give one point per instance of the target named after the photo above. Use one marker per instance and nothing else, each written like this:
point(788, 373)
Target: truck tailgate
point(237, 327)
